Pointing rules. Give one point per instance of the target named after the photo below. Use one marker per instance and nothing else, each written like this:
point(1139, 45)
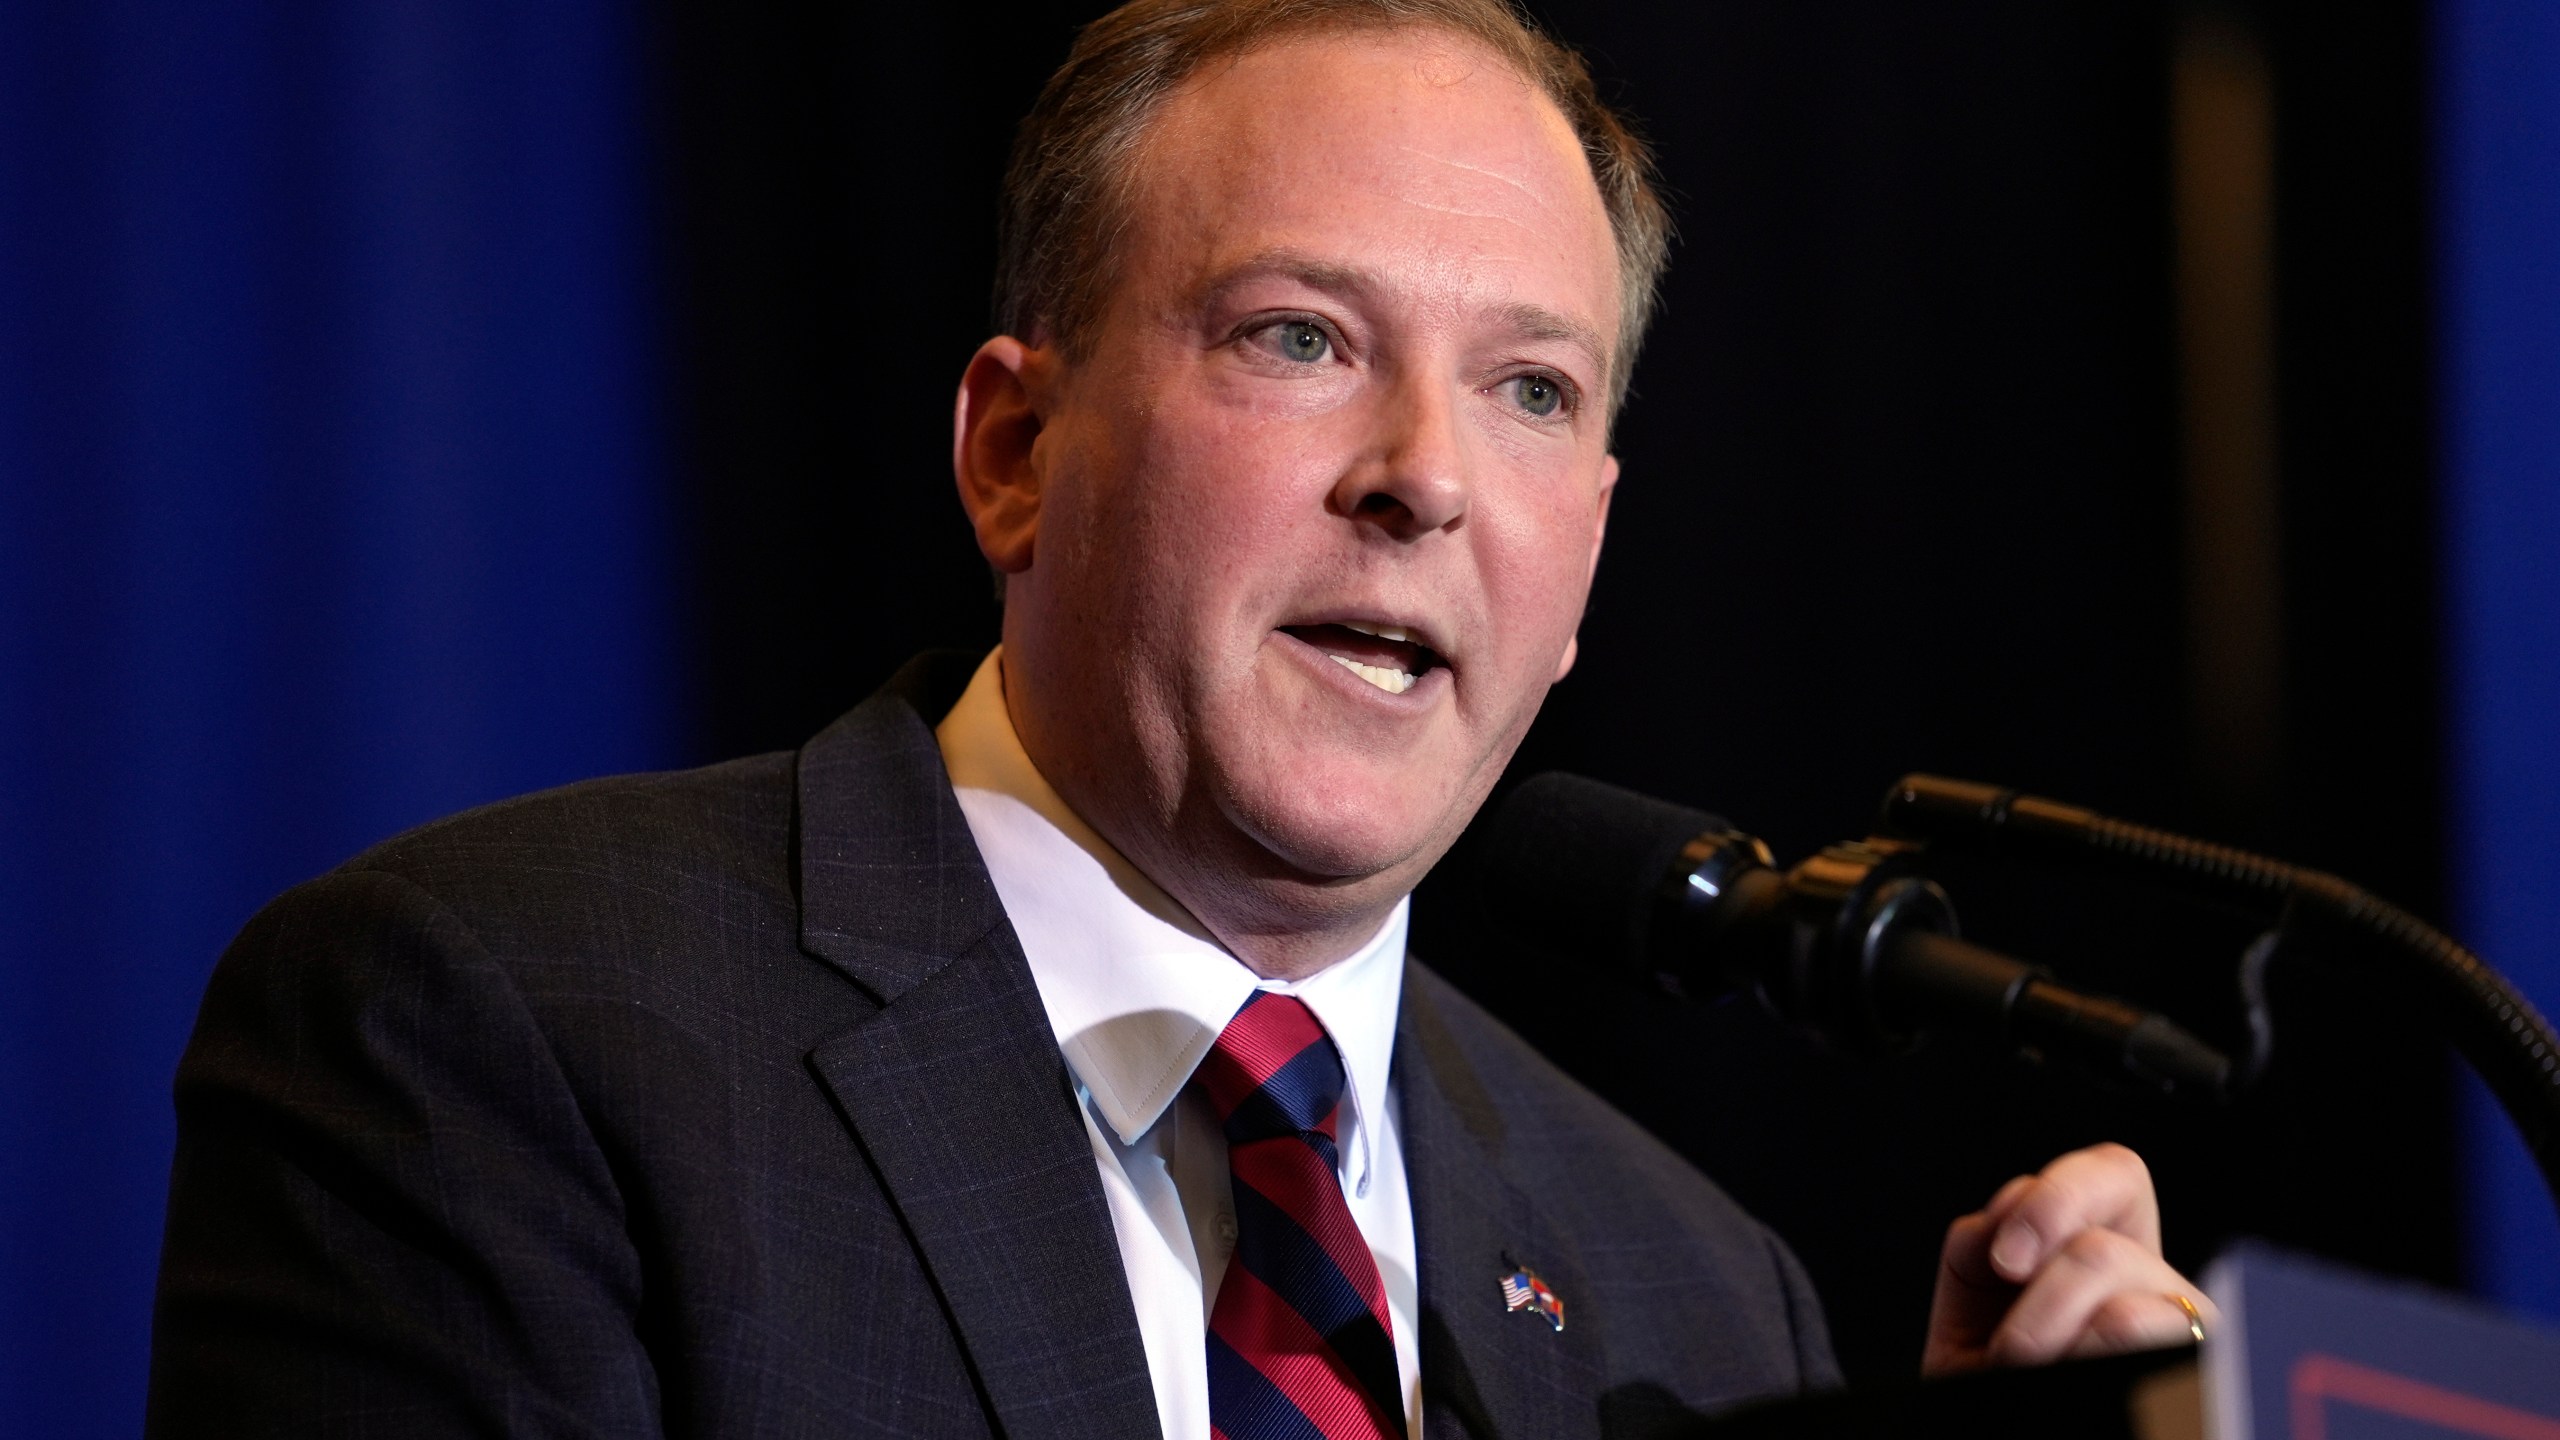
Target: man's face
point(1347, 403)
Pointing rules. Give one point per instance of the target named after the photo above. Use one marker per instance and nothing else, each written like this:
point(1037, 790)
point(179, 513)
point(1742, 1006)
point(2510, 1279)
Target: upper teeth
point(1397, 633)
point(1394, 682)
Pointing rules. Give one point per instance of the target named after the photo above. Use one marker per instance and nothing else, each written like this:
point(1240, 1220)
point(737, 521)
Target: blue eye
point(1540, 395)
point(1299, 340)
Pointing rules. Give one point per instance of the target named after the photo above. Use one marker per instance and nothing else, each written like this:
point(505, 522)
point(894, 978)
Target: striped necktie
point(1299, 1339)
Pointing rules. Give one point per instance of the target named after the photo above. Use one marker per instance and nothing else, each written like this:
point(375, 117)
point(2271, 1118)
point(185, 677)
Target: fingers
point(1967, 1285)
point(2099, 1293)
point(2063, 1262)
point(1965, 1258)
point(2105, 1187)
point(2130, 1320)
point(1971, 1298)
point(2005, 1199)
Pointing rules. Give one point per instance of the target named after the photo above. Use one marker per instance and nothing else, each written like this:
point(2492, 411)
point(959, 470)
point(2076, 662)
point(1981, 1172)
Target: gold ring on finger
point(2195, 1318)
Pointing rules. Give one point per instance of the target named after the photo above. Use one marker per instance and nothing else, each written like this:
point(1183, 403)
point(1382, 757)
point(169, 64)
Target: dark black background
point(1901, 493)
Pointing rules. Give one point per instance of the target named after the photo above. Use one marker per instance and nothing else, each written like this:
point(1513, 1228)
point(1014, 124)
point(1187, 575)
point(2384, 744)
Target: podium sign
point(2310, 1352)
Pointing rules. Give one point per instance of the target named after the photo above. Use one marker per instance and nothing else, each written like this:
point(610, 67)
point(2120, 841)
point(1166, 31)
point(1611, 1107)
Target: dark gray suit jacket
point(722, 1103)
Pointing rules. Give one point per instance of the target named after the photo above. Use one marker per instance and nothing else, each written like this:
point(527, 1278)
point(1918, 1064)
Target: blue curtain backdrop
point(2498, 302)
point(331, 499)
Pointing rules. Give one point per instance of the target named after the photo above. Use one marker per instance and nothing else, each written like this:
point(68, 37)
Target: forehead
point(1417, 154)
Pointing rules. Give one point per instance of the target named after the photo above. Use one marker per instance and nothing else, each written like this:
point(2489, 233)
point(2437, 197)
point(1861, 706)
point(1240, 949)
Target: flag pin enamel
point(1523, 1290)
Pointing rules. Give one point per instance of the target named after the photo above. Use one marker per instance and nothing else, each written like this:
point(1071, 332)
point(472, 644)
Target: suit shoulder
point(634, 916)
point(606, 887)
point(677, 836)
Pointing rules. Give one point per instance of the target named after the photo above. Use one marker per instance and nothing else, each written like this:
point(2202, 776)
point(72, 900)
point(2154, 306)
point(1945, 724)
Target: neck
point(1281, 935)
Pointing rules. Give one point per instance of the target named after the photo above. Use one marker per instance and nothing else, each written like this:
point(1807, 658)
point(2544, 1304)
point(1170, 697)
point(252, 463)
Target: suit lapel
point(1487, 1372)
point(972, 1128)
point(955, 1088)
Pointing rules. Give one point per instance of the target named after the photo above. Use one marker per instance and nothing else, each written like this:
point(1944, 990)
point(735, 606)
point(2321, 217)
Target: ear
point(1599, 529)
point(995, 427)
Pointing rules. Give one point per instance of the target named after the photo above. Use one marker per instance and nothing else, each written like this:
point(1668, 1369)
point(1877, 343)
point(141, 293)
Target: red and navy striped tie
point(1300, 1343)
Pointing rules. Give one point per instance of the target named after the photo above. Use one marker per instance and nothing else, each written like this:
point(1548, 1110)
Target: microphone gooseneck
point(1853, 943)
point(2494, 1026)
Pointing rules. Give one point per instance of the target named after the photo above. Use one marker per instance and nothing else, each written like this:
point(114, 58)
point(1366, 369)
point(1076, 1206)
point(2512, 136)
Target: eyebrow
point(1537, 322)
point(1527, 321)
point(1325, 275)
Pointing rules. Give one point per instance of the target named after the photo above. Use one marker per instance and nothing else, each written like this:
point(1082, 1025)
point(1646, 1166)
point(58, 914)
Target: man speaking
point(1035, 1051)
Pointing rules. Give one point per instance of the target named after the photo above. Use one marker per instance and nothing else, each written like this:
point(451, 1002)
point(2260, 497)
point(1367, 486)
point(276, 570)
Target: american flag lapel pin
point(1523, 1290)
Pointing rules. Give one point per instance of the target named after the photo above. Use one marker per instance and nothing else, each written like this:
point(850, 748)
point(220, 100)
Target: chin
point(1377, 825)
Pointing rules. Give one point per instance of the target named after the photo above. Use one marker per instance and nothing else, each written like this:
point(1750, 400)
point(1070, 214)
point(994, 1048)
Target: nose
point(1413, 478)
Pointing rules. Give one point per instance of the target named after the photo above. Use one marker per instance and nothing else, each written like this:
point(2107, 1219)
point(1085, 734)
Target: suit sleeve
point(1816, 1369)
point(387, 1215)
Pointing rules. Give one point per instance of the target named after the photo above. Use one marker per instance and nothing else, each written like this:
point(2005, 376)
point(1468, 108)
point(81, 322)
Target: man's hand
point(2061, 1263)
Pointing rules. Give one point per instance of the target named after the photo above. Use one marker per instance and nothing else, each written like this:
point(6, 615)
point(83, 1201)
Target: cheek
point(1214, 502)
point(1536, 559)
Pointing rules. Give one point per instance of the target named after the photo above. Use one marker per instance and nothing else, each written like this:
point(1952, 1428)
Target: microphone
point(1853, 943)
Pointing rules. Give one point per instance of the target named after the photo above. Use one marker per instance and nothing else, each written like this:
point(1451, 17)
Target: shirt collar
point(1135, 987)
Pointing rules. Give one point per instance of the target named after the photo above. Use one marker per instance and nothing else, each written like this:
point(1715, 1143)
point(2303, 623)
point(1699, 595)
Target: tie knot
point(1274, 1072)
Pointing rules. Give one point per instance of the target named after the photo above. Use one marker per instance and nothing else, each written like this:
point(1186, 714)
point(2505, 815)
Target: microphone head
point(1578, 866)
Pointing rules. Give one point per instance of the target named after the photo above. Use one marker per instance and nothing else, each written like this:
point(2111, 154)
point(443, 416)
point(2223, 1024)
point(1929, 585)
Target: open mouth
point(1387, 656)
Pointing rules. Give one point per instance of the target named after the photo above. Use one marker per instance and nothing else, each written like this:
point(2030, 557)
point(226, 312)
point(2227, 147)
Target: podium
point(2304, 1351)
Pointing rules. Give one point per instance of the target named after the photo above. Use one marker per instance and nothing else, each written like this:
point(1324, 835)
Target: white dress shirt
point(1137, 992)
